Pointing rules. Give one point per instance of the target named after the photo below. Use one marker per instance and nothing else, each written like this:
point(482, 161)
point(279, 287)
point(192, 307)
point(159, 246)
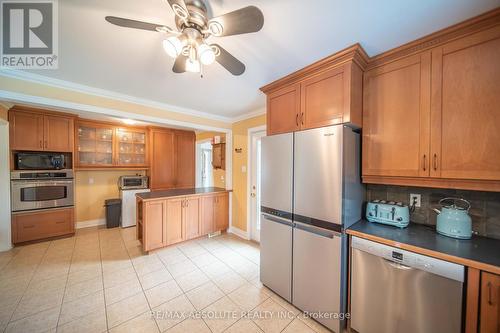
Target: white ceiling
point(295, 34)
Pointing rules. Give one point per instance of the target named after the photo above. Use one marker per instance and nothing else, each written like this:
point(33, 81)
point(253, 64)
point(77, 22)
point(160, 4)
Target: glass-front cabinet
point(104, 145)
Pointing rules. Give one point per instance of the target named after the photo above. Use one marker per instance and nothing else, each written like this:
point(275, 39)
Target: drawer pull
point(490, 302)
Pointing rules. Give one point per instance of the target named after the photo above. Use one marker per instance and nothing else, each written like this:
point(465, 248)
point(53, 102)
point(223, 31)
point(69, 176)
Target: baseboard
point(238, 232)
point(90, 223)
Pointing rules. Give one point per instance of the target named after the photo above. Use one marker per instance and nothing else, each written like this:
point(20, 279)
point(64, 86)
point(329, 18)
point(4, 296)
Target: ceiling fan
point(188, 43)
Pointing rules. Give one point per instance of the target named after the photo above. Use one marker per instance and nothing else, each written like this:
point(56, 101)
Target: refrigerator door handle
point(315, 230)
point(277, 219)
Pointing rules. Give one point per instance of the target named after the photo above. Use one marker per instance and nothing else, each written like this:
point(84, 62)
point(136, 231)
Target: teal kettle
point(453, 219)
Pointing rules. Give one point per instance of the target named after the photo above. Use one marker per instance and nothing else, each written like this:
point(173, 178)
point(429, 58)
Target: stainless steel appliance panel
point(396, 291)
point(318, 174)
point(318, 267)
point(38, 194)
point(276, 255)
point(277, 172)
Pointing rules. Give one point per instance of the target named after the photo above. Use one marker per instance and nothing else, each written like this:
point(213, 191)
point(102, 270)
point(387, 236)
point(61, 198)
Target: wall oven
point(33, 190)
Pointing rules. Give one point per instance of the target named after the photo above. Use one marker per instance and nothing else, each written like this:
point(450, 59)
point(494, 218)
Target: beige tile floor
point(100, 281)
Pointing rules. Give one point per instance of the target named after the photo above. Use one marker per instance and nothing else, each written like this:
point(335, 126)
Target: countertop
point(180, 192)
point(478, 252)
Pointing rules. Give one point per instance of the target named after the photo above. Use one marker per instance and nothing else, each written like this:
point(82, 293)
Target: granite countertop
point(478, 252)
point(180, 192)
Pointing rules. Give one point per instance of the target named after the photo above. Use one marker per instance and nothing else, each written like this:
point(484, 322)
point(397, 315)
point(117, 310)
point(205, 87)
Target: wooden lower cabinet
point(32, 226)
point(191, 216)
point(221, 209)
point(489, 307)
point(168, 221)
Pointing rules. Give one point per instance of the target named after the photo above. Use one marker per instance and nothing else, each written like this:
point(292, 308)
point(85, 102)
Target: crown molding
point(61, 105)
point(248, 115)
point(80, 88)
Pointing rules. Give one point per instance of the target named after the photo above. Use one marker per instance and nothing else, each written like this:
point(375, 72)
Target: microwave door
point(34, 162)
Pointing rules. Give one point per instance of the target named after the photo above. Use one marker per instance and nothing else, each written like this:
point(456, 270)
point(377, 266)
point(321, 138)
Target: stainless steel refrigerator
point(311, 192)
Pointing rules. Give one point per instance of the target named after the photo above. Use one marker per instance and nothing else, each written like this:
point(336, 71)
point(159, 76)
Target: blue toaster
point(388, 212)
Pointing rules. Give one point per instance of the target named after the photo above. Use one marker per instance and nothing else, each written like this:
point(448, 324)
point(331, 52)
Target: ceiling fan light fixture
point(206, 53)
point(172, 46)
point(193, 66)
point(216, 29)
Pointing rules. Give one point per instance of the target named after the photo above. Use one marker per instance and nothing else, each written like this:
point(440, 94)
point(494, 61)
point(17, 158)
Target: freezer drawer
point(276, 255)
point(317, 271)
point(396, 291)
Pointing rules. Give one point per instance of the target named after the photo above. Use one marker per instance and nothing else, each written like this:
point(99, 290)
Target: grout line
point(102, 275)
point(31, 279)
point(66, 284)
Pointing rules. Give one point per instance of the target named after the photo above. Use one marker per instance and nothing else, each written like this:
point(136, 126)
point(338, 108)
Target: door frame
point(197, 160)
point(251, 131)
point(5, 215)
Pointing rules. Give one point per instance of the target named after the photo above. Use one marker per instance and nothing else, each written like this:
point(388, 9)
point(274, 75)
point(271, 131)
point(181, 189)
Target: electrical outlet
point(417, 198)
point(91, 180)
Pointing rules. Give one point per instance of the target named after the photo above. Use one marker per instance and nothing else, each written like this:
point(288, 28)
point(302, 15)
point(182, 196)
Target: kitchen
point(378, 200)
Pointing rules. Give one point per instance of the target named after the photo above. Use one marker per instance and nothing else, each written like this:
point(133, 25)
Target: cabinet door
point(58, 133)
point(490, 308)
point(324, 99)
point(192, 217)
point(283, 110)
point(42, 224)
point(155, 224)
point(465, 108)
point(396, 113)
point(207, 214)
point(131, 147)
point(162, 172)
point(26, 131)
point(185, 158)
point(221, 211)
point(175, 225)
point(94, 145)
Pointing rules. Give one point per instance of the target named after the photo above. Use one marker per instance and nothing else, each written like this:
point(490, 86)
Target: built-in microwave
point(40, 161)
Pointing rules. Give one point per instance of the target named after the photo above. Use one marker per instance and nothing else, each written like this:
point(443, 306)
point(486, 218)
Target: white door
point(255, 176)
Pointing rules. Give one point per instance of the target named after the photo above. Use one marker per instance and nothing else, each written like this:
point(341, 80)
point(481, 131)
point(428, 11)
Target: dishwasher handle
point(397, 265)
point(315, 230)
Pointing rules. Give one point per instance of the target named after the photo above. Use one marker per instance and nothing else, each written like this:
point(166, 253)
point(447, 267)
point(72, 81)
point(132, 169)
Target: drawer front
point(39, 225)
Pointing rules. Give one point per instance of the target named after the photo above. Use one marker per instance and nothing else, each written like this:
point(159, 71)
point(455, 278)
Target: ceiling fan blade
point(127, 23)
point(180, 64)
point(228, 61)
point(179, 7)
point(241, 21)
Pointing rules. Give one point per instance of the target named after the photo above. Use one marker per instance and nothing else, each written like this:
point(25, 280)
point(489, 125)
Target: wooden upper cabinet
point(221, 211)
point(219, 156)
point(283, 110)
point(131, 147)
point(185, 159)
point(162, 168)
point(155, 232)
point(26, 131)
point(489, 318)
point(325, 93)
point(396, 118)
point(192, 218)
point(466, 108)
point(38, 131)
point(58, 133)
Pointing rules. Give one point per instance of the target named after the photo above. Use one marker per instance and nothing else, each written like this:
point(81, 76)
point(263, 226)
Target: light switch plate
point(244, 169)
point(418, 199)
point(91, 180)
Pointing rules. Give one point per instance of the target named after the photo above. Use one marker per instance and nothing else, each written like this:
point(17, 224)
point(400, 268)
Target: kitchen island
point(172, 216)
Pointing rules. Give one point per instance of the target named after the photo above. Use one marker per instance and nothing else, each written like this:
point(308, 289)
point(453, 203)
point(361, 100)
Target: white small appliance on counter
point(129, 186)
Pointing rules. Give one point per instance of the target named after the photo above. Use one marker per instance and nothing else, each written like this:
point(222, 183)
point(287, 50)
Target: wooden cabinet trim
point(472, 300)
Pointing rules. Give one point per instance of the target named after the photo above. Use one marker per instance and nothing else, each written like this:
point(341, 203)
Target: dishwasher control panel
point(410, 259)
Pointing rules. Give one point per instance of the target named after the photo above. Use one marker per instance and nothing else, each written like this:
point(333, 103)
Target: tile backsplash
point(485, 206)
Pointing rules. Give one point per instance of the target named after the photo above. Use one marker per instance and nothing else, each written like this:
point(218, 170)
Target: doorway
point(254, 175)
point(204, 170)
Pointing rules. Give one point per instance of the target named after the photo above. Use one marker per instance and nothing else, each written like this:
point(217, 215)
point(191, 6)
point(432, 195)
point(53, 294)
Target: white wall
point(5, 232)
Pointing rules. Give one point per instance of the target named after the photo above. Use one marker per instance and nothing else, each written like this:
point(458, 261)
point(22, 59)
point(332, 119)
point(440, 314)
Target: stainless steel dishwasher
point(394, 291)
